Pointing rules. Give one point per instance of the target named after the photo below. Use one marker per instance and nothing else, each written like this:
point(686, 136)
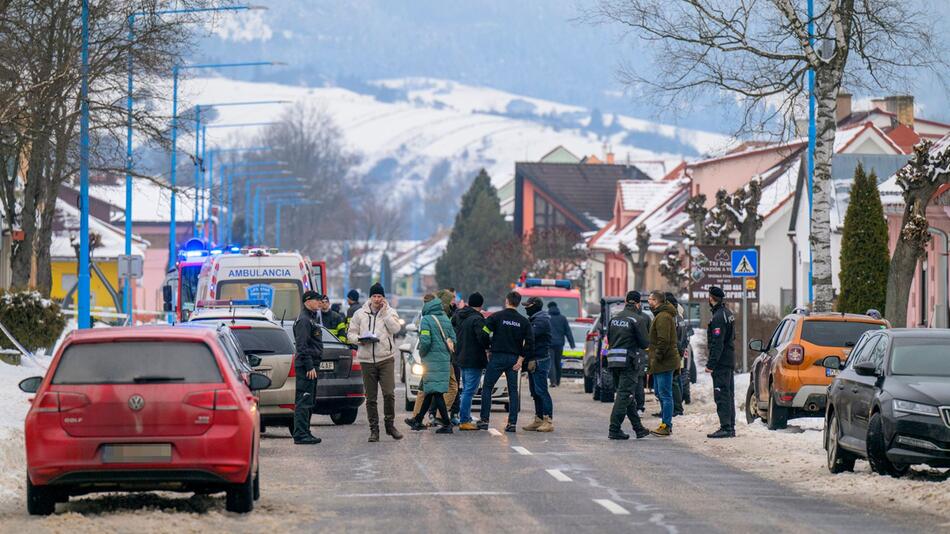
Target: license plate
point(571, 364)
point(327, 366)
point(831, 372)
point(137, 453)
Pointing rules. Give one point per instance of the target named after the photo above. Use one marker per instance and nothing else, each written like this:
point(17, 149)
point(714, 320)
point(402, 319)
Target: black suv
point(891, 402)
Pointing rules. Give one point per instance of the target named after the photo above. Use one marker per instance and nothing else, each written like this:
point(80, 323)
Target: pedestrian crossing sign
point(745, 262)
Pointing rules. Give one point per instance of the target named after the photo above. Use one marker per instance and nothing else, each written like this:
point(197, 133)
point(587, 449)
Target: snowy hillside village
point(621, 183)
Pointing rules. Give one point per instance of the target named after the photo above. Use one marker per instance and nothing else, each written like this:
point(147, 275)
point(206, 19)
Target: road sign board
point(712, 265)
point(745, 262)
point(130, 266)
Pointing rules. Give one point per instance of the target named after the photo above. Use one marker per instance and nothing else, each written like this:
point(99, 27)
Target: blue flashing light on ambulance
point(562, 292)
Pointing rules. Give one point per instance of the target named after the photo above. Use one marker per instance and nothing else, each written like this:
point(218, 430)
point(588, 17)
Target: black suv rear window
point(132, 362)
point(835, 333)
point(264, 341)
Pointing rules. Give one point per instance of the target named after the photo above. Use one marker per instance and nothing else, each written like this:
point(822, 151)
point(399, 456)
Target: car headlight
point(402, 322)
point(915, 408)
point(418, 369)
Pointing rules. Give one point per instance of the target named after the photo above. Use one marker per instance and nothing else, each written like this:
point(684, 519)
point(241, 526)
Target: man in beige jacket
point(373, 328)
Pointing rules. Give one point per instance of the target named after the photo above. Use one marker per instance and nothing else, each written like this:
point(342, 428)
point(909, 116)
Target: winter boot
point(547, 425)
point(722, 433)
point(391, 431)
point(618, 434)
point(641, 432)
point(534, 425)
point(446, 429)
point(373, 434)
point(663, 430)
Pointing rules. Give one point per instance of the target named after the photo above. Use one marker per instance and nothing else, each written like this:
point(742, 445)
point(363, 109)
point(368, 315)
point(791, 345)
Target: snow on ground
point(796, 456)
point(15, 405)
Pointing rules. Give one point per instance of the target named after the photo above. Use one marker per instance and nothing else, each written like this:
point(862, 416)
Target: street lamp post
point(280, 202)
point(274, 194)
point(174, 136)
point(85, 321)
point(254, 182)
point(226, 194)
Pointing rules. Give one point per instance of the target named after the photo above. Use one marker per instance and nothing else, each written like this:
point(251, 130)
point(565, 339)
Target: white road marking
point(612, 507)
point(522, 451)
point(558, 475)
point(494, 432)
point(429, 494)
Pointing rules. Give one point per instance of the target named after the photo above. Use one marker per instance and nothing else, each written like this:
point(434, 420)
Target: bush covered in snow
point(34, 321)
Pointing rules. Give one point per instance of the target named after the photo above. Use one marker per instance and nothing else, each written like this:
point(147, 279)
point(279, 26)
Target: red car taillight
point(795, 354)
point(201, 399)
point(224, 400)
point(293, 367)
point(61, 402)
point(355, 366)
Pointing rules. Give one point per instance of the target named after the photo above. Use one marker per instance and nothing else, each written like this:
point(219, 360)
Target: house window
point(546, 215)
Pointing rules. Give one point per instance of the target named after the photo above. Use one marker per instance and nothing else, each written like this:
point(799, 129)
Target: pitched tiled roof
point(586, 190)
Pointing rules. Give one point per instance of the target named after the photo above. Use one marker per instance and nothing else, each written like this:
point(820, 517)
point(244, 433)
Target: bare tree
point(926, 173)
point(759, 52)
point(556, 252)
point(638, 258)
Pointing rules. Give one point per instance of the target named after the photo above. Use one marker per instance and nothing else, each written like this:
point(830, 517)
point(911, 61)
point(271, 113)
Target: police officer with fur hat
point(624, 358)
point(308, 338)
point(720, 337)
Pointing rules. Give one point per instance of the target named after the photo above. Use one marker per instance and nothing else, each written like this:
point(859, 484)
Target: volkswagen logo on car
point(136, 403)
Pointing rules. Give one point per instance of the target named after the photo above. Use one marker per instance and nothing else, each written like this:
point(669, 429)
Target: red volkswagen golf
point(145, 408)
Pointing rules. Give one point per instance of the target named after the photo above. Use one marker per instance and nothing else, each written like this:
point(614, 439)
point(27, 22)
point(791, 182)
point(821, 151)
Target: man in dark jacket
point(644, 321)
point(680, 346)
point(539, 367)
point(664, 357)
point(560, 330)
point(720, 336)
point(626, 343)
point(333, 321)
point(511, 343)
point(353, 303)
point(471, 355)
point(308, 338)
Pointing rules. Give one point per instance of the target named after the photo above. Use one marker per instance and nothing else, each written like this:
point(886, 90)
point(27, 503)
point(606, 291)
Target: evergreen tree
point(864, 251)
point(483, 253)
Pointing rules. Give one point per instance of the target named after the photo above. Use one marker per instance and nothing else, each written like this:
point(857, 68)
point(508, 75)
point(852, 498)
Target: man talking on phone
point(308, 337)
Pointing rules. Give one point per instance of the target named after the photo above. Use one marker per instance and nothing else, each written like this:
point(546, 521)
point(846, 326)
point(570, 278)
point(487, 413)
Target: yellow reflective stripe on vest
point(487, 330)
point(424, 333)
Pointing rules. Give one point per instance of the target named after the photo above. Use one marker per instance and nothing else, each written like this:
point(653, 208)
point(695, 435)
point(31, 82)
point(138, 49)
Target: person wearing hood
point(472, 355)
point(560, 331)
point(538, 365)
point(664, 357)
point(436, 345)
point(447, 298)
point(373, 329)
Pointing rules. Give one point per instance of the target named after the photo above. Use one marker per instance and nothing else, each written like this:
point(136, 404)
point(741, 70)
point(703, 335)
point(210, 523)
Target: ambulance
point(277, 278)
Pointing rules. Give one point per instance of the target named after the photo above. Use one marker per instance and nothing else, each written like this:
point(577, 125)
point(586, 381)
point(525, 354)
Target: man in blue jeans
point(539, 367)
point(471, 355)
point(511, 341)
point(664, 357)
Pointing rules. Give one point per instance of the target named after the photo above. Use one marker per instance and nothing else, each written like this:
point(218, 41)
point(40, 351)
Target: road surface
point(574, 479)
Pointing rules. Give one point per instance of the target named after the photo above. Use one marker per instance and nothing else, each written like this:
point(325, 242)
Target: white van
point(277, 278)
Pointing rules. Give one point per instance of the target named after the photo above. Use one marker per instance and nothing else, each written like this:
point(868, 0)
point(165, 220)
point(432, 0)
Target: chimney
point(878, 103)
point(610, 158)
point(843, 107)
point(903, 107)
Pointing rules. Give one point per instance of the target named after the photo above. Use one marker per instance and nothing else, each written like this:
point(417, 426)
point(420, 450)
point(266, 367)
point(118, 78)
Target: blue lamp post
point(273, 194)
point(282, 184)
point(129, 163)
point(85, 321)
point(225, 195)
point(281, 202)
point(254, 182)
point(174, 136)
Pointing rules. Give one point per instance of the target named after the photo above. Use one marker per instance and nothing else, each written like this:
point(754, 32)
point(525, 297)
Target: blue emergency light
point(250, 302)
point(548, 282)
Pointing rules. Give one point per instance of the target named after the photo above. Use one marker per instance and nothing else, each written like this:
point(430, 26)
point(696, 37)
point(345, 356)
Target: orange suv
point(788, 379)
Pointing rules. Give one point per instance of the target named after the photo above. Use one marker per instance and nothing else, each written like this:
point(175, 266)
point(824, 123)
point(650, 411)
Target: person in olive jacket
point(308, 338)
point(436, 341)
point(664, 357)
point(472, 354)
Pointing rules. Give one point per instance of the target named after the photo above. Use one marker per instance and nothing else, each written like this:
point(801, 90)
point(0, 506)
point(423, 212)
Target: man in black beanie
point(353, 304)
point(472, 355)
point(720, 337)
point(373, 328)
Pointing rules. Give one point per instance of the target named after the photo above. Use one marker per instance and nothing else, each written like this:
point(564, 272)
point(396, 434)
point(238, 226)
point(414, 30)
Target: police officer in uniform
point(720, 336)
point(624, 359)
point(308, 338)
point(643, 322)
point(334, 322)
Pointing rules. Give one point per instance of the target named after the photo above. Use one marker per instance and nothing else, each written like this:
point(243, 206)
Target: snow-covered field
point(796, 456)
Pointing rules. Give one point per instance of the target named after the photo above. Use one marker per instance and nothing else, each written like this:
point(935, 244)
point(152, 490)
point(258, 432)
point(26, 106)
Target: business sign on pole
point(712, 265)
point(130, 266)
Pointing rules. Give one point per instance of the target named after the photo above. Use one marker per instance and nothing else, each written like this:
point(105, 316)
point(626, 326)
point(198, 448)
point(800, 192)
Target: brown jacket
point(664, 354)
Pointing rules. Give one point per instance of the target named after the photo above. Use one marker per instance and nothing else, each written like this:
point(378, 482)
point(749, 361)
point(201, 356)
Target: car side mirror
point(254, 359)
point(866, 369)
point(832, 362)
point(257, 382)
point(405, 347)
point(757, 345)
point(412, 328)
point(31, 385)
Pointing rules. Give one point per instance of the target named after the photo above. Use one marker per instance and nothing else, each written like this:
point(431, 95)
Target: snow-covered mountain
point(417, 135)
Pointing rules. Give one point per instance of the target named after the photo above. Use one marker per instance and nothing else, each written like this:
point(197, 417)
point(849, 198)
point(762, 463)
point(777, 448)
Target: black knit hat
point(717, 292)
point(476, 300)
point(311, 295)
point(634, 296)
point(552, 304)
point(671, 298)
point(353, 295)
point(377, 289)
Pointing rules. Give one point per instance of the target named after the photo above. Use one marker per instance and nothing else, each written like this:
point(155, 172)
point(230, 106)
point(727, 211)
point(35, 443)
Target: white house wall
point(775, 258)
